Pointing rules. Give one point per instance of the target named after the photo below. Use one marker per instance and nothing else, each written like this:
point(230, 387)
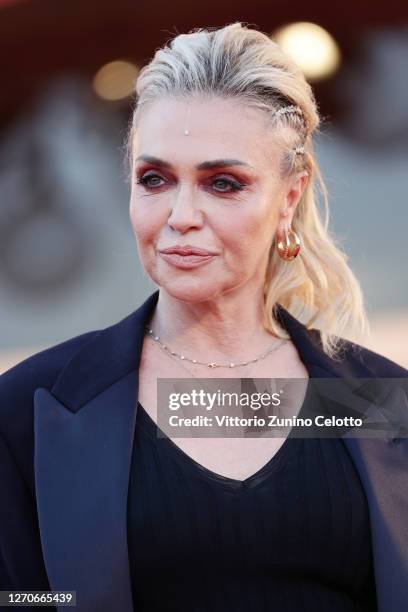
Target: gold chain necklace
point(212, 364)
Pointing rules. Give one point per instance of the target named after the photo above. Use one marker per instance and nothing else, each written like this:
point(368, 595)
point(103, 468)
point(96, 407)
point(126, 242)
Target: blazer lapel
point(84, 428)
point(81, 467)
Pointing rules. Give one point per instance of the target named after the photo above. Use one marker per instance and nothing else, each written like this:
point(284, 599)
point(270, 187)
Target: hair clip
point(299, 150)
point(287, 110)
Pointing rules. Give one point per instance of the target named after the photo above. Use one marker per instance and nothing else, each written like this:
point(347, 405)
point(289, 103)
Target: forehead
point(218, 128)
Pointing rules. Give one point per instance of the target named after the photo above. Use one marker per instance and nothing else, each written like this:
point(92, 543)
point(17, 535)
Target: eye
point(220, 184)
point(227, 185)
point(150, 181)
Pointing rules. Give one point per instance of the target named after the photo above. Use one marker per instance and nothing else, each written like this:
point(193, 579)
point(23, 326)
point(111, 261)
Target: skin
point(215, 309)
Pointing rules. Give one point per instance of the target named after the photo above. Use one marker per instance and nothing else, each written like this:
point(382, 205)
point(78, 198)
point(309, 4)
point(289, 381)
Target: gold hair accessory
point(292, 109)
point(288, 246)
point(289, 110)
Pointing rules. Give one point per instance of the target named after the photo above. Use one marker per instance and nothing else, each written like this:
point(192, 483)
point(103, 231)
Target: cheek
point(143, 222)
point(143, 230)
point(248, 233)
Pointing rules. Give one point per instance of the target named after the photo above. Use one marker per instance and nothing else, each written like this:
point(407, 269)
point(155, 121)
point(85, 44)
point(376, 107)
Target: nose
point(184, 212)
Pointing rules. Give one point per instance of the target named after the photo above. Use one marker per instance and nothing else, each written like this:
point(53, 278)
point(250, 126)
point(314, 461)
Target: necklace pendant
point(212, 365)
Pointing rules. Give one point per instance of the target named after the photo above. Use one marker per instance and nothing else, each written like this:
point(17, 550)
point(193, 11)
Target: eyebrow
point(207, 165)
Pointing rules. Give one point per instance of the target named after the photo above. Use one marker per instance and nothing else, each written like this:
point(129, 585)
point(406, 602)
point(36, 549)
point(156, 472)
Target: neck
point(226, 328)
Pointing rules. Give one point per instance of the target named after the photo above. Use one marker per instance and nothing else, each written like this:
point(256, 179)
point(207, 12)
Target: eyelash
point(235, 185)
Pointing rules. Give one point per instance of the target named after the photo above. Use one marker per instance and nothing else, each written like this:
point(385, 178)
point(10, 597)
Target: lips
point(187, 259)
point(186, 251)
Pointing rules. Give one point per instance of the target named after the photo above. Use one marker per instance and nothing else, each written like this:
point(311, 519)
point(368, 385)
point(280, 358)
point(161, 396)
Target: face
point(218, 189)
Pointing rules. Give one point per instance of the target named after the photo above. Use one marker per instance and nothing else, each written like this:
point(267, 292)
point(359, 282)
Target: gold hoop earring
point(288, 246)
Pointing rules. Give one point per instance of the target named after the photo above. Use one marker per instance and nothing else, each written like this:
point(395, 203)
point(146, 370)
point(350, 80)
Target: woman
point(251, 284)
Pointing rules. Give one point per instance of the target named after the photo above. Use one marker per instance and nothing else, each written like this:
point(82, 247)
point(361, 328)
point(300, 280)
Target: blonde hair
point(318, 287)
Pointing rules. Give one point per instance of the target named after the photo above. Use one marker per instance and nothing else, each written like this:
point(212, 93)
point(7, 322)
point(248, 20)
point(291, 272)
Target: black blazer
point(67, 418)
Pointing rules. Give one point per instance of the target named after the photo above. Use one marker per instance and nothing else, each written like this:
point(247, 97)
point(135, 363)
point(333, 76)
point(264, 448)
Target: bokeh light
point(312, 47)
point(114, 81)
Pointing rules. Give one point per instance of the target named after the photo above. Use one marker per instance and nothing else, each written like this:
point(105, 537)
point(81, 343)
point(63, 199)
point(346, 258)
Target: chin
point(189, 290)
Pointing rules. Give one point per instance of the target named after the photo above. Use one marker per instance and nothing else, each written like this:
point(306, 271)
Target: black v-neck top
point(293, 537)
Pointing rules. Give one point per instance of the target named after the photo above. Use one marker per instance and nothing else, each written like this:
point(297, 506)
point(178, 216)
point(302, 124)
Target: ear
point(295, 189)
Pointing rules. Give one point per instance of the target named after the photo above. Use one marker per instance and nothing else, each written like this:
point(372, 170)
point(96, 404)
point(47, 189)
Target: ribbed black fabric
point(294, 537)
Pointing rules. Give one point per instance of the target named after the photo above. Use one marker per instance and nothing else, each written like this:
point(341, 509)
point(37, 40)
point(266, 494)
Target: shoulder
point(361, 361)
point(17, 385)
point(350, 360)
point(382, 366)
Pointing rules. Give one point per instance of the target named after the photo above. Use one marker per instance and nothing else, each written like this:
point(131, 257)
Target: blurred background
point(68, 259)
